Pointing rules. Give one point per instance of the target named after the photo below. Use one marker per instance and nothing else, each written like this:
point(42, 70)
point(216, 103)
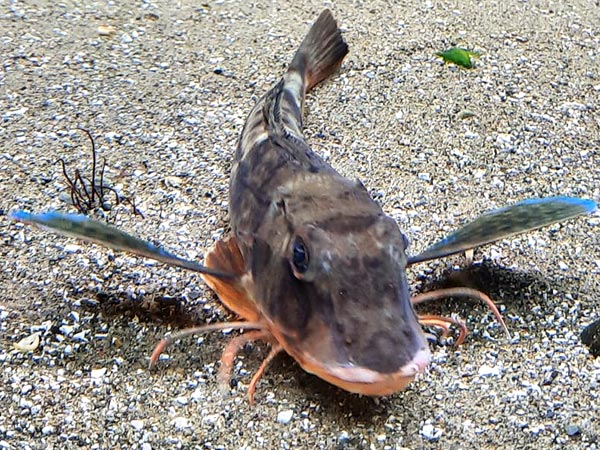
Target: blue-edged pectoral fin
point(505, 222)
point(82, 227)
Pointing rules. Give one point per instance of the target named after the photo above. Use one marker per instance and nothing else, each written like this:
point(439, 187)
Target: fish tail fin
point(319, 55)
point(321, 52)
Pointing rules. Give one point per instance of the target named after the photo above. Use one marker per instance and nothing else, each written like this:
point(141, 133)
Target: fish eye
point(299, 256)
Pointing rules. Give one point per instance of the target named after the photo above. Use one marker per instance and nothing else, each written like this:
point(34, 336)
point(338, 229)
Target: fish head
point(336, 295)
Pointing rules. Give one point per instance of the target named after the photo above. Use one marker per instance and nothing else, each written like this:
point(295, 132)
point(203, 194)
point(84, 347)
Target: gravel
point(165, 90)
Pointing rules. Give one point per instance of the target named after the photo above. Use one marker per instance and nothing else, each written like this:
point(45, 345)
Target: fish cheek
point(281, 295)
point(289, 307)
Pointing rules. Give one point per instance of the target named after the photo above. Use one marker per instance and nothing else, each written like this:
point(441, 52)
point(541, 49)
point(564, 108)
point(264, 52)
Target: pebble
point(71, 248)
point(572, 430)
point(343, 437)
point(197, 395)
point(18, 112)
point(29, 343)
point(98, 373)
point(537, 429)
point(80, 337)
point(285, 416)
point(181, 423)
point(173, 181)
point(137, 424)
point(488, 371)
point(182, 400)
point(106, 30)
point(48, 429)
point(430, 432)
point(66, 330)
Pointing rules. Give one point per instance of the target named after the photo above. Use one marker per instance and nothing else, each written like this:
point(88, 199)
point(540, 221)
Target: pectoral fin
point(505, 222)
point(82, 227)
point(226, 257)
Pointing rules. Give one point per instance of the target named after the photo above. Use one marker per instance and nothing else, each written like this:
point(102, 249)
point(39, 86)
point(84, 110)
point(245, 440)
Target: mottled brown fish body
point(324, 267)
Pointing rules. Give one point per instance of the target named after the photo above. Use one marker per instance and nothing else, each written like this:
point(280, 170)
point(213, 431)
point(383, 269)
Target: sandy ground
point(165, 96)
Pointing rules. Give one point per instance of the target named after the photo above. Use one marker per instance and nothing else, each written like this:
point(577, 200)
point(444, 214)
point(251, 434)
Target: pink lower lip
point(421, 360)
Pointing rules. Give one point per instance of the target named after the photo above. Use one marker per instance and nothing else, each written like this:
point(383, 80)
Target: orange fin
point(226, 256)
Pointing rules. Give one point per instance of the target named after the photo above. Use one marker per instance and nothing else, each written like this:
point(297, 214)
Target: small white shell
point(29, 343)
point(106, 30)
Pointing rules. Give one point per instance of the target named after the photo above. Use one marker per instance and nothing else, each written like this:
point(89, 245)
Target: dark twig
point(86, 194)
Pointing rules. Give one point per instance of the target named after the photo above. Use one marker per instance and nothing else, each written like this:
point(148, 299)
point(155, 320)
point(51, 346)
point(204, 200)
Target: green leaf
point(459, 56)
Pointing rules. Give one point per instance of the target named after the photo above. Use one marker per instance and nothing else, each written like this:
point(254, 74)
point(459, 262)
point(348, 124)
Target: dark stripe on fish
point(343, 224)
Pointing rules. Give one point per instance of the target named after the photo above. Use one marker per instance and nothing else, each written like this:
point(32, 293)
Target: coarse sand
point(164, 88)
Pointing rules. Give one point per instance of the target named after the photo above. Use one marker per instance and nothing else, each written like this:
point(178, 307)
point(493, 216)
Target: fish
point(590, 336)
point(313, 266)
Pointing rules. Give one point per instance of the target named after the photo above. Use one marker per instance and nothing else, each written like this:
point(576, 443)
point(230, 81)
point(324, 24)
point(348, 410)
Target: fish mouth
point(361, 380)
point(317, 356)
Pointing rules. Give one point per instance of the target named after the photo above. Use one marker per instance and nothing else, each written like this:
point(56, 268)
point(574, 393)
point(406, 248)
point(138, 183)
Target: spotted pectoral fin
point(226, 256)
point(505, 222)
point(82, 227)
